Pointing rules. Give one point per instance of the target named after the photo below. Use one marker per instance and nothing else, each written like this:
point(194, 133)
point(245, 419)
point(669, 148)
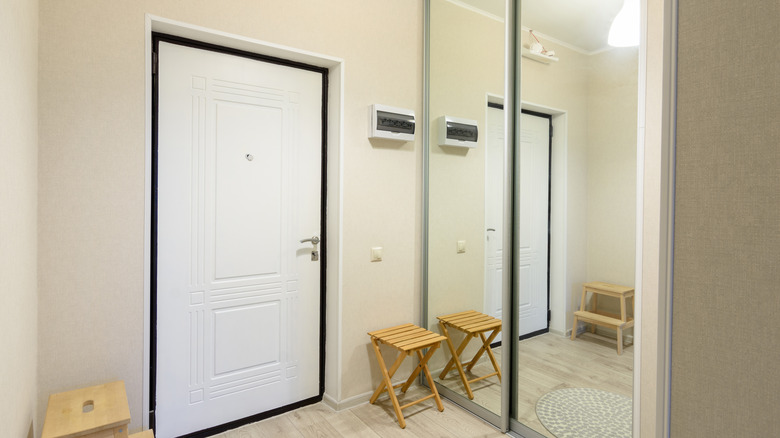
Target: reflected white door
point(533, 218)
point(494, 211)
point(239, 185)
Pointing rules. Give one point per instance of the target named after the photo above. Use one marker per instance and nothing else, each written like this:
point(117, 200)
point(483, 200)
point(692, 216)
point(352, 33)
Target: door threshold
point(252, 418)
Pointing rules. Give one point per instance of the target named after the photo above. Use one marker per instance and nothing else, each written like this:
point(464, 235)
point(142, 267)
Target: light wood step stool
point(99, 411)
point(407, 339)
point(96, 412)
point(597, 317)
point(473, 324)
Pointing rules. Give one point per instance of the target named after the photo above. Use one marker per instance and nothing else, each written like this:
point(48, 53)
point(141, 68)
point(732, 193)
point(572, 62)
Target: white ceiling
point(582, 24)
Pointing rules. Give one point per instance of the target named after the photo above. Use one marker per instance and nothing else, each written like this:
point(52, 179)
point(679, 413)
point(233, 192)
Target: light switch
point(461, 246)
point(376, 254)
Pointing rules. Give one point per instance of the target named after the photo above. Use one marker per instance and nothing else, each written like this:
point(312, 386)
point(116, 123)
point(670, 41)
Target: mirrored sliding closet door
point(531, 211)
point(465, 179)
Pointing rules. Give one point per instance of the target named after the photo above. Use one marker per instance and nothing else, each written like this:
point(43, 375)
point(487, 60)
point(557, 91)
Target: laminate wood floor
point(546, 363)
point(370, 421)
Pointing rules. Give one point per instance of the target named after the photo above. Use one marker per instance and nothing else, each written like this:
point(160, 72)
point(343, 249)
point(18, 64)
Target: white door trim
point(335, 141)
point(655, 210)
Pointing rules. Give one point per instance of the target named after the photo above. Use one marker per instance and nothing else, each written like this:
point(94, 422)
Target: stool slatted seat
point(473, 324)
point(408, 339)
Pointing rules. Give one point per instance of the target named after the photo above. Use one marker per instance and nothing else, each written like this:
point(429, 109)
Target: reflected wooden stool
point(473, 324)
point(407, 339)
point(597, 317)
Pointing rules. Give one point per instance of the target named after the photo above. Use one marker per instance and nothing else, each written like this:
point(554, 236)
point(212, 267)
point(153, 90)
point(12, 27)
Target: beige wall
point(612, 147)
point(18, 196)
point(92, 132)
point(612, 123)
point(725, 375)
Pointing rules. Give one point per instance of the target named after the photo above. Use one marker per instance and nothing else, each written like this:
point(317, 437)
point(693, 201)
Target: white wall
point(92, 134)
point(18, 220)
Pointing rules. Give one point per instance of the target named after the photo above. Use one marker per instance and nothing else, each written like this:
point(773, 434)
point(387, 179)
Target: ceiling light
point(624, 31)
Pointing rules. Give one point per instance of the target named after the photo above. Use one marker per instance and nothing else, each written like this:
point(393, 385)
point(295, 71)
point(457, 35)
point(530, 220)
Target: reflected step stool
point(473, 324)
point(95, 412)
point(408, 339)
point(597, 317)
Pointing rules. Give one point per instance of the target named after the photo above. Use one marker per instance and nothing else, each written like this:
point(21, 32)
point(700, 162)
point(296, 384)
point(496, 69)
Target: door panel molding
point(238, 292)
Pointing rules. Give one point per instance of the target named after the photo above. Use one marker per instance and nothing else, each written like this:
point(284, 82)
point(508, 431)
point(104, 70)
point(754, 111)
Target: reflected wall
point(466, 59)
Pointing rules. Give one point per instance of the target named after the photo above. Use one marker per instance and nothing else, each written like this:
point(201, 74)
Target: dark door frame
point(549, 214)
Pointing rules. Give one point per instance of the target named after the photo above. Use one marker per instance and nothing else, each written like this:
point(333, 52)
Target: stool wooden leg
point(454, 353)
point(620, 329)
point(490, 353)
point(582, 307)
point(456, 360)
point(478, 354)
point(574, 329)
point(382, 386)
point(387, 383)
point(419, 367)
point(623, 309)
point(485, 347)
point(424, 361)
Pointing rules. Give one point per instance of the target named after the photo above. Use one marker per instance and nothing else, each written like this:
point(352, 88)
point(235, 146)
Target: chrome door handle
point(314, 240)
point(315, 255)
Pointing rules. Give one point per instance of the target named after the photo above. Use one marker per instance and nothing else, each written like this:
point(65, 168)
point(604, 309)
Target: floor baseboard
point(355, 400)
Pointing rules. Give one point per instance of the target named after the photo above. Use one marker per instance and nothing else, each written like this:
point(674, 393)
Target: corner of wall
point(19, 220)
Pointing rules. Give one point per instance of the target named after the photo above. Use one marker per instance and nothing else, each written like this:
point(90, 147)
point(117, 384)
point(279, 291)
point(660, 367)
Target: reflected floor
point(549, 362)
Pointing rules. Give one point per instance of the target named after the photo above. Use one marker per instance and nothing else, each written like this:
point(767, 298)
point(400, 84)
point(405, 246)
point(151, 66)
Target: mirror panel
point(575, 198)
point(587, 92)
point(466, 71)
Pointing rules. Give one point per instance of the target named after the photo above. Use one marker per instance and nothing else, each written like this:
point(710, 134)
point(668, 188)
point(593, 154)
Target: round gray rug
point(585, 413)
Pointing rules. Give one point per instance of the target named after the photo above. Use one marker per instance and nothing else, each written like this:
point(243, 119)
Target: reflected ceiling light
point(624, 31)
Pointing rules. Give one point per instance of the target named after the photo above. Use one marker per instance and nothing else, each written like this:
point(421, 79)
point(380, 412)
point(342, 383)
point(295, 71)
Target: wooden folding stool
point(473, 324)
point(407, 339)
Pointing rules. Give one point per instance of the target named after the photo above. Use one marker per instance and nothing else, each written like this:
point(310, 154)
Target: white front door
point(239, 186)
point(533, 218)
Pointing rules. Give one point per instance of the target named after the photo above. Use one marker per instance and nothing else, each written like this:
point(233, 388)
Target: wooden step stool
point(473, 324)
point(96, 412)
point(597, 317)
point(407, 339)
